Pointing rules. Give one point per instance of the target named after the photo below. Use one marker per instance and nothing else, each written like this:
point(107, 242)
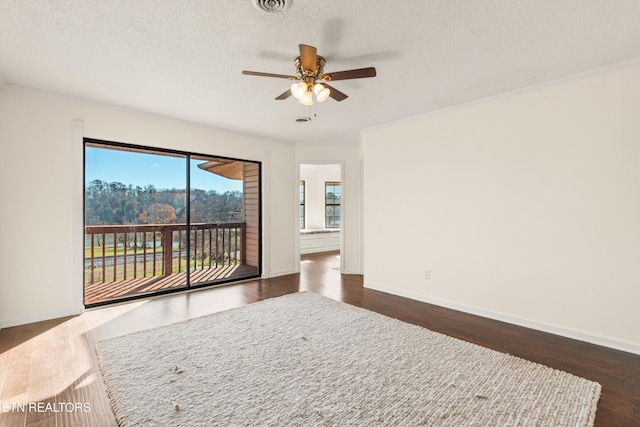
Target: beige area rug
point(306, 360)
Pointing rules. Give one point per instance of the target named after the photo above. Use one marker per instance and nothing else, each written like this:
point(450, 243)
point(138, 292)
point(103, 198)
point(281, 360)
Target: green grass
point(97, 251)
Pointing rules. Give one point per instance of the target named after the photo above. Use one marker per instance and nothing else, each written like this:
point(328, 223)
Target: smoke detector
point(272, 6)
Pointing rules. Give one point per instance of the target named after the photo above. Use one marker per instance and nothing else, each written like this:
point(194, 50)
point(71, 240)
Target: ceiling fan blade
point(284, 95)
point(350, 74)
point(335, 93)
point(280, 76)
point(308, 57)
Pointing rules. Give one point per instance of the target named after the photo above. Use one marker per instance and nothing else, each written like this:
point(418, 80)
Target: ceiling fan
point(311, 79)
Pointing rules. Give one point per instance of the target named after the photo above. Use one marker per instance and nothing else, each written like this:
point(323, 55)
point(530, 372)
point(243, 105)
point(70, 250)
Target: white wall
point(524, 208)
point(41, 192)
point(349, 159)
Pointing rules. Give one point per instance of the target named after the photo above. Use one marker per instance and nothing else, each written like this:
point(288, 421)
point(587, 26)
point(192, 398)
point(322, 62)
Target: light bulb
point(322, 92)
point(306, 99)
point(298, 89)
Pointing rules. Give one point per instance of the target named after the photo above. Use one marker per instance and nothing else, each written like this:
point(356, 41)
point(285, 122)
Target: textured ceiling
point(184, 58)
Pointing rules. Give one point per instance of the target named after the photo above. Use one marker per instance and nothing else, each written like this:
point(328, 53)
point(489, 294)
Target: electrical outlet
point(427, 274)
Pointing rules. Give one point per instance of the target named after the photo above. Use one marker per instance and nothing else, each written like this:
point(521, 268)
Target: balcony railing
point(116, 253)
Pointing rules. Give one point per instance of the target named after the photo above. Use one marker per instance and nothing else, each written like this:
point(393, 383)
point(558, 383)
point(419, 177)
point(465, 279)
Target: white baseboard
point(531, 324)
point(318, 249)
point(17, 321)
point(279, 273)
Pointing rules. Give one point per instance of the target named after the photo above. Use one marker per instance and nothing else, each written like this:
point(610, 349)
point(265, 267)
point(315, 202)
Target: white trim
point(574, 78)
point(296, 223)
point(344, 223)
point(527, 323)
point(77, 215)
point(317, 250)
point(343, 226)
point(265, 217)
point(280, 273)
point(17, 321)
point(361, 185)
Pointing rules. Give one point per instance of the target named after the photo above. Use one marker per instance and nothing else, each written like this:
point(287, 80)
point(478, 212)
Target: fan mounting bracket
point(302, 73)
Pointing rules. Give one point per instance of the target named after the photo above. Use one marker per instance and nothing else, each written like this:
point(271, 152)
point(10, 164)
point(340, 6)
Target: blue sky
point(163, 172)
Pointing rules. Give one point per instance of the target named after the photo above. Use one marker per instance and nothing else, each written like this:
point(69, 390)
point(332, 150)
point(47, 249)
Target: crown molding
point(574, 78)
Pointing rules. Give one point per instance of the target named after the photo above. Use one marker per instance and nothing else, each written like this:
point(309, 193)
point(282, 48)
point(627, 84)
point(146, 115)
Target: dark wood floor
point(54, 361)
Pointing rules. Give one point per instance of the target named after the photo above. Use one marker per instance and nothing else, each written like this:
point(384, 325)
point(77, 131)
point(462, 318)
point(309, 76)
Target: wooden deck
point(101, 292)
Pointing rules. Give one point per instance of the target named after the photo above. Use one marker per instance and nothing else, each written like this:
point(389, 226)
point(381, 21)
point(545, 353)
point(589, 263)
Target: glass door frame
point(257, 225)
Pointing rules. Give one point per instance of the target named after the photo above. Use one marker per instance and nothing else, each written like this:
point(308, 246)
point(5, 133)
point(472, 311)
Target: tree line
point(114, 203)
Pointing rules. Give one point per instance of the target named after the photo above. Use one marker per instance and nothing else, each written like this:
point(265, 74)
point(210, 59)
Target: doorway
point(321, 210)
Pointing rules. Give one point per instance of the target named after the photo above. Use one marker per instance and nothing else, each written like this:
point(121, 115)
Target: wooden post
point(135, 254)
point(115, 255)
point(243, 243)
point(124, 277)
point(179, 251)
point(167, 251)
point(104, 258)
point(92, 255)
point(217, 249)
point(144, 254)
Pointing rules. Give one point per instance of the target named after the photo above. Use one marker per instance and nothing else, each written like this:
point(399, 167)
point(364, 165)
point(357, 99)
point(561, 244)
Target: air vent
point(272, 6)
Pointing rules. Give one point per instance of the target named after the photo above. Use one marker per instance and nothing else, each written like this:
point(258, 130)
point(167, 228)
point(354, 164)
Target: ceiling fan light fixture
point(298, 89)
point(307, 99)
point(310, 78)
point(322, 93)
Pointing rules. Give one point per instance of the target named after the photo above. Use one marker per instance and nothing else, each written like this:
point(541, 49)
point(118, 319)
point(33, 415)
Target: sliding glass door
point(159, 221)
